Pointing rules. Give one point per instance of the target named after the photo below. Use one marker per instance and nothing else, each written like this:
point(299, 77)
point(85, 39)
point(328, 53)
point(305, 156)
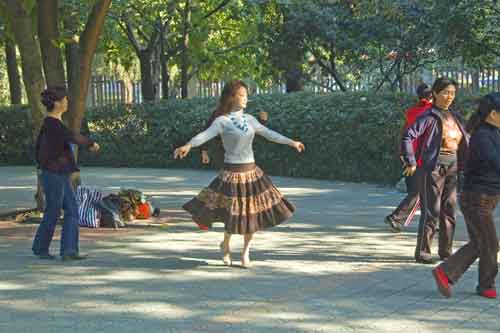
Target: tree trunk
point(185, 53)
point(72, 61)
point(294, 80)
point(21, 26)
point(156, 71)
point(86, 51)
point(475, 80)
point(13, 73)
point(48, 34)
point(165, 76)
point(128, 88)
point(80, 55)
point(72, 56)
point(147, 87)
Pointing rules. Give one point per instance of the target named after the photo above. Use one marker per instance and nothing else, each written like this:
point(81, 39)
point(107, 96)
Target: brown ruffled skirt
point(242, 197)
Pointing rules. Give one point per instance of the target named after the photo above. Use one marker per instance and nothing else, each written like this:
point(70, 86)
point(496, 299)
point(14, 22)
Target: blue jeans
point(58, 195)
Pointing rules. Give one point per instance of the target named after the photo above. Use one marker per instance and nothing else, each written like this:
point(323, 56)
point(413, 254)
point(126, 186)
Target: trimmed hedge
point(16, 144)
point(348, 136)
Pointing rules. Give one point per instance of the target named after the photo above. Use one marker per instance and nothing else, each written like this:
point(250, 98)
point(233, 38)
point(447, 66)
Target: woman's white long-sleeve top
point(237, 131)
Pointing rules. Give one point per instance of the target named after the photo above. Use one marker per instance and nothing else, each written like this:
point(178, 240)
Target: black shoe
point(425, 261)
point(74, 257)
point(393, 224)
point(46, 256)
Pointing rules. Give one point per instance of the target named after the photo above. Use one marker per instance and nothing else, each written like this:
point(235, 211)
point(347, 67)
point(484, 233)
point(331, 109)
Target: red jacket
point(415, 111)
point(411, 116)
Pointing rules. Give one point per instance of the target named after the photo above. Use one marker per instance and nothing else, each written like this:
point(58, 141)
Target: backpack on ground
point(111, 211)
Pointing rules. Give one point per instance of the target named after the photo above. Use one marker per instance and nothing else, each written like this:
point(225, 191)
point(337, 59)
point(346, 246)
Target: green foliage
point(348, 136)
point(468, 29)
point(29, 5)
point(16, 146)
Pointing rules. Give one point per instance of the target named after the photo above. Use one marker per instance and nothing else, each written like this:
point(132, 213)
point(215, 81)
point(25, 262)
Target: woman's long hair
point(226, 101)
point(487, 104)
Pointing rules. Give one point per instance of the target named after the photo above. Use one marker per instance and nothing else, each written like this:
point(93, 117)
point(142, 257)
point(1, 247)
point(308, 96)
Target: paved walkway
point(332, 268)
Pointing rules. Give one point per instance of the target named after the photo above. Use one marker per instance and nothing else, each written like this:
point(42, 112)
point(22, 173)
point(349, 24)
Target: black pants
point(478, 213)
point(400, 214)
point(438, 196)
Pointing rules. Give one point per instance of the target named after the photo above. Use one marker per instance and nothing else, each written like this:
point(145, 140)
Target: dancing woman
point(241, 196)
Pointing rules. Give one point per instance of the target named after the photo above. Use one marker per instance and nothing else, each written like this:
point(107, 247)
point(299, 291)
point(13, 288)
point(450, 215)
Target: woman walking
point(442, 144)
point(480, 196)
point(242, 196)
point(411, 202)
point(55, 158)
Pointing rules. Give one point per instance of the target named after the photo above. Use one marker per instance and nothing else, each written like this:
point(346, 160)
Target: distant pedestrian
point(406, 208)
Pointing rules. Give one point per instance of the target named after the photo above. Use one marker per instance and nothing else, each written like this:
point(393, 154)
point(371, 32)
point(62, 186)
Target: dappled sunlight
point(127, 275)
point(172, 192)
point(263, 312)
point(333, 267)
point(106, 290)
point(170, 179)
point(159, 310)
point(11, 286)
point(17, 187)
point(32, 305)
point(304, 191)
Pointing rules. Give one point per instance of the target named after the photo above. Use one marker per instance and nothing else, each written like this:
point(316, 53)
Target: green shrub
point(16, 146)
point(348, 136)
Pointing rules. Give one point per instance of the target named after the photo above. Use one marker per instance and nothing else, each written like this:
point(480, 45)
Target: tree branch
point(223, 4)
point(131, 36)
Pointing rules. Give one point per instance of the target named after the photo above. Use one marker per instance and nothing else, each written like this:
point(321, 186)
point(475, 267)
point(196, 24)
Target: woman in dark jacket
point(481, 193)
point(439, 155)
point(56, 161)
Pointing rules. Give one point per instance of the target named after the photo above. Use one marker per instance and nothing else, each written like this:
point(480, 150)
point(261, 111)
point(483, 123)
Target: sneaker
point(393, 224)
point(488, 293)
point(202, 226)
point(442, 281)
point(425, 259)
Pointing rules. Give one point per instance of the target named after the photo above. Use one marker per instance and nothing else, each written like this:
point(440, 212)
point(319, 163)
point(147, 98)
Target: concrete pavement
point(332, 268)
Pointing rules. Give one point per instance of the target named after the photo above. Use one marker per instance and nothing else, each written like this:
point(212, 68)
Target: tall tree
point(84, 48)
point(13, 71)
point(144, 23)
point(186, 25)
point(48, 34)
point(21, 25)
point(20, 18)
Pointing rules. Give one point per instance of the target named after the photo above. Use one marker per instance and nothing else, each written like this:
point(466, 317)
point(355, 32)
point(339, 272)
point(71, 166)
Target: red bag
point(144, 211)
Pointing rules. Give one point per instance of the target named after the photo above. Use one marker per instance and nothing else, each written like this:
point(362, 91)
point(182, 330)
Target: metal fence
point(104, 90)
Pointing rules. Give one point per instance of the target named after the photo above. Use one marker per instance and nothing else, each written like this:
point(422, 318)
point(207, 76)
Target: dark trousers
point(438, 196)
point(401, 213)
point(218, 157)
point(58, 195)
point(478, 213)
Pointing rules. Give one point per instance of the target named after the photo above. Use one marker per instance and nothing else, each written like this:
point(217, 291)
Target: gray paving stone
point(332, 268)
